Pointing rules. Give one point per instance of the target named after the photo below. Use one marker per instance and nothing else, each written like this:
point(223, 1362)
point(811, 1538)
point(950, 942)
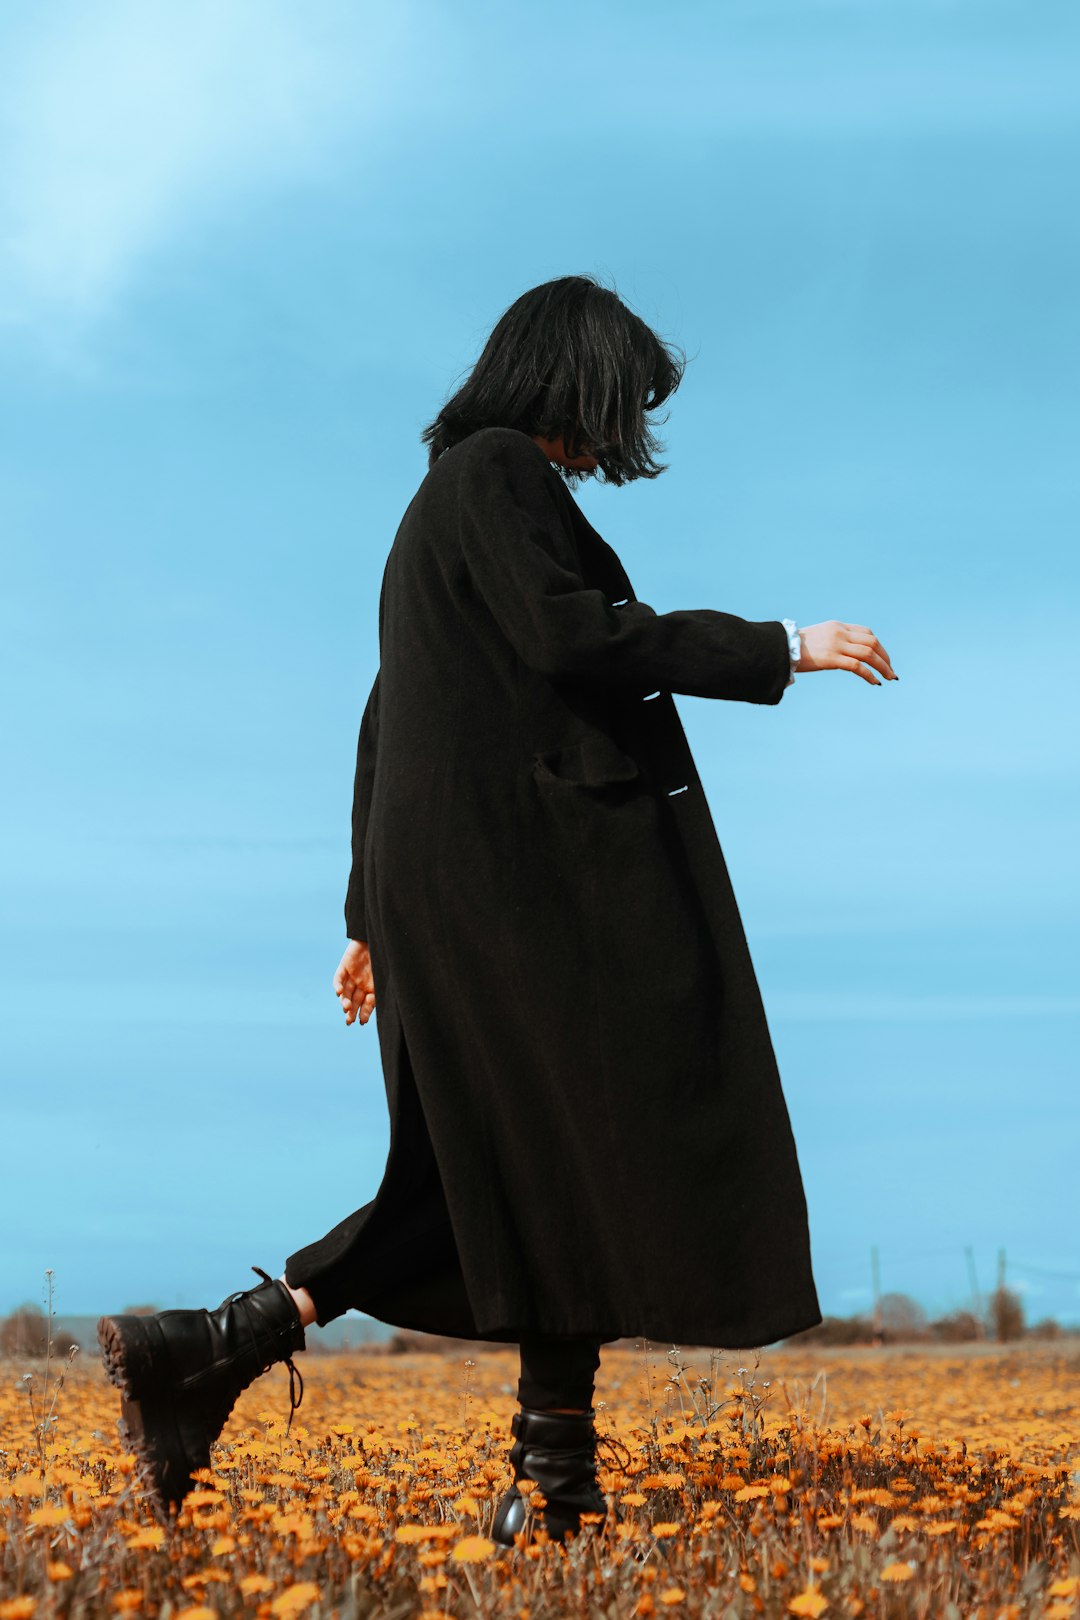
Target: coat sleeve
point(355, 911)
point(519, 549)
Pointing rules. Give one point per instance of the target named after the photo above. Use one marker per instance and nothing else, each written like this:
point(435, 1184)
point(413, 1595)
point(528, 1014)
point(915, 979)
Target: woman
point(588, 1137)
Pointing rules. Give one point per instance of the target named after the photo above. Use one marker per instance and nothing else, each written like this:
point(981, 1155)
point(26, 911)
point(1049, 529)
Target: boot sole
point(147, 1422)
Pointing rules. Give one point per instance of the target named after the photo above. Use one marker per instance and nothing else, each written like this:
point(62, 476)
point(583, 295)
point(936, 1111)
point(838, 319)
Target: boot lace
point(294, 1372)
point(617, 1453)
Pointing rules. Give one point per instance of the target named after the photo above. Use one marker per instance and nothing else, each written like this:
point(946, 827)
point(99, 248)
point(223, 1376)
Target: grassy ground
point(940, 1482)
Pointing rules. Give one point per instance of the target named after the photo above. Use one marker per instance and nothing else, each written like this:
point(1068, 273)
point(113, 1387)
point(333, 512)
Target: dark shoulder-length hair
point(569, 358)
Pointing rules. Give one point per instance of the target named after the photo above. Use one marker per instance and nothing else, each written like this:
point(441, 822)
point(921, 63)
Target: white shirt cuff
point(794, 640)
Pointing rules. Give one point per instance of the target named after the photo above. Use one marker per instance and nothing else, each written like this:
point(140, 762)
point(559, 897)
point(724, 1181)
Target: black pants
point(557, 1370)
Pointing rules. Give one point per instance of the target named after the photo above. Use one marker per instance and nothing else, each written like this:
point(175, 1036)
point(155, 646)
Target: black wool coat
point(588, 1132)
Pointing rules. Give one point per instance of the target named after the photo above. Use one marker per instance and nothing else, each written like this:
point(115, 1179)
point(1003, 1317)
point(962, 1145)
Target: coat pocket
point(591, 762)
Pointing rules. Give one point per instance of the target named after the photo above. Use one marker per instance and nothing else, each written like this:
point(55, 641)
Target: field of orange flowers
point(874, 1482)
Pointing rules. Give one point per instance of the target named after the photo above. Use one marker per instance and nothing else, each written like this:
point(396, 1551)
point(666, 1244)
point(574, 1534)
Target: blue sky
point(247, 249)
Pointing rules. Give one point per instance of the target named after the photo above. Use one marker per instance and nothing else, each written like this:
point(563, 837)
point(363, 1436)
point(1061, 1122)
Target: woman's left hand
point(354, 985)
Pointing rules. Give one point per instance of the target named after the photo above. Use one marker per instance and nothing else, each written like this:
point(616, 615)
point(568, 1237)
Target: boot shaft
point(558, 1451)
point(180, 1351)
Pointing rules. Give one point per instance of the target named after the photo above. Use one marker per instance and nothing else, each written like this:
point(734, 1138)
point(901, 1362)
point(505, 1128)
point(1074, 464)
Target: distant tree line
point(898, 1319)
point(26, 1331)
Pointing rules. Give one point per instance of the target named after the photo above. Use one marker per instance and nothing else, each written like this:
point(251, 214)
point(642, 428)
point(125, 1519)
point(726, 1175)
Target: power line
point(1046, 1271)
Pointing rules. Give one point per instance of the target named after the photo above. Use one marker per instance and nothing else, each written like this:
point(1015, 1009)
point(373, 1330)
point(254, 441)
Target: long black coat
point(588, 1132)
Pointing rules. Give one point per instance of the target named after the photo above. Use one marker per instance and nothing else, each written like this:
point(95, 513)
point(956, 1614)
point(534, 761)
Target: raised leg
point(304, 1302)
point(179, 1373)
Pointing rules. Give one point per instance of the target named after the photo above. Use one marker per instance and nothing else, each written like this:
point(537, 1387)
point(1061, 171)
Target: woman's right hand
point(354, 985)
point(836, 645)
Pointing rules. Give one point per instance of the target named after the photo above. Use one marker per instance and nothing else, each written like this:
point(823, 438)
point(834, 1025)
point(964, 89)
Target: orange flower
point(809, 1602)
point(473, 1549)
point(49, 1513)
point(295, 1599)
point(152, 1536)
point(251, 1584)
point(414, 1532)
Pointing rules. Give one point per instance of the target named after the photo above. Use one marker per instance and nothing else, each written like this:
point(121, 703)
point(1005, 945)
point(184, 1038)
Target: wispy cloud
point(130, 125)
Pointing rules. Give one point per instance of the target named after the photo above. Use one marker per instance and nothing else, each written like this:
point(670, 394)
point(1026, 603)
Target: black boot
point(179, 1374)
point(558, 1451)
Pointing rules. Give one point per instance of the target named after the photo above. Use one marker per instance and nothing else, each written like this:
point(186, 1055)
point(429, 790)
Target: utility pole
point(976, 1297)
point(876, 1276)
